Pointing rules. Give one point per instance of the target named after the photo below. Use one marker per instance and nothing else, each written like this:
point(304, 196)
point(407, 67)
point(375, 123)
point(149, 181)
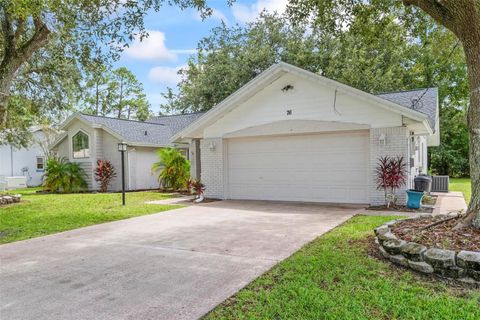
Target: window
point(40, 163)
point(80, 145)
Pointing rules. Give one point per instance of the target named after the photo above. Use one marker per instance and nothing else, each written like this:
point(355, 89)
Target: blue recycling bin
point(414, 199)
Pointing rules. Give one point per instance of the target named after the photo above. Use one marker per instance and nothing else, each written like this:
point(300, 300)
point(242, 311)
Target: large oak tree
point(84, 29)
point(462, 17)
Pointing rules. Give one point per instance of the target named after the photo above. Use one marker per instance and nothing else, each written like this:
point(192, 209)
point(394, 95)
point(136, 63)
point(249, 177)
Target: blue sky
point(174, 35)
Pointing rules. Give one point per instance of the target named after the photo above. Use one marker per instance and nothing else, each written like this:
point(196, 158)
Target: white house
point(87, 138)
point(28, 162)
point(290, 134)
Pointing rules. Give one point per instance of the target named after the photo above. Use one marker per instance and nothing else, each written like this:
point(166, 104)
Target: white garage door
point(329, 167)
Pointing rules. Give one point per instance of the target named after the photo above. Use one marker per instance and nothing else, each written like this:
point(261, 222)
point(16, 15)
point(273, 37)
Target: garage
point(293, 135)
point(326, 167)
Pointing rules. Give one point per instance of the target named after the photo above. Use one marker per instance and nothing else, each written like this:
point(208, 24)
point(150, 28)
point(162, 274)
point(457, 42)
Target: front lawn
point(42, 214)
point(334, 278)
point(462, 185)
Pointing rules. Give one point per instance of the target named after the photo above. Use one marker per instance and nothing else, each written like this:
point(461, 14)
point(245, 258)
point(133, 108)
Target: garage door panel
point(331, 161)
point(321, 168)
point(302, 177)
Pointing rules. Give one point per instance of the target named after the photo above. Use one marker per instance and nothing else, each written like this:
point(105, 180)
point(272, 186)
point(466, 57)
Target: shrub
point(104, 174)
point(391, 175)
point(196, 187)
point(63, 176)
point(174, 169)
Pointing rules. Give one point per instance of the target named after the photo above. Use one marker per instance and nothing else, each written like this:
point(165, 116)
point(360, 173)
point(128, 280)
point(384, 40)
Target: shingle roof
point(134, 131)
point(422, 100)
point(176, 122)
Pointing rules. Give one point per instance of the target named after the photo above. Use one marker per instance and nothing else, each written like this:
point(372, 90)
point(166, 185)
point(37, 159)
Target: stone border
point(463, 265)
point(10, 199)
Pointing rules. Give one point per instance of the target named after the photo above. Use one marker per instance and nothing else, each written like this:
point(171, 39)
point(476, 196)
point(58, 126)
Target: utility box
point(16, 182)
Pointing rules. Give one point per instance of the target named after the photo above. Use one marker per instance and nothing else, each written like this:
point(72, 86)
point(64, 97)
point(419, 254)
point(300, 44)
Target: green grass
point(42, 214)
point(462, 185)
point(334, 278)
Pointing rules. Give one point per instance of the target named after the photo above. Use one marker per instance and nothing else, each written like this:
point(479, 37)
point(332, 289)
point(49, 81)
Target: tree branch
point(440, 10)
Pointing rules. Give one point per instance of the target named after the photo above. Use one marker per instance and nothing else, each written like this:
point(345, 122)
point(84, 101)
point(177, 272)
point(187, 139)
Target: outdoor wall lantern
point(212, 146)
point(382, 140)
point(122, 147)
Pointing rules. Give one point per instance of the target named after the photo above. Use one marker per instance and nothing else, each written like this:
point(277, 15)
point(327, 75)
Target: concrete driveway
point(173, 265)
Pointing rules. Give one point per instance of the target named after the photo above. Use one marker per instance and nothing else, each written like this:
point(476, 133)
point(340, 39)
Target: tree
point(462, 17)
point(96, 89)
point(126, 96)
point(84, 29)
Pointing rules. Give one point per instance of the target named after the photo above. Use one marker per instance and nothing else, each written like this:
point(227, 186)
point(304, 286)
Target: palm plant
point(63, 176)
point(173, 169)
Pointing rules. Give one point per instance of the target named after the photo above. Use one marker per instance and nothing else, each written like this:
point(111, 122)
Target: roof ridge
point(405, 91)
point(177, 115)
point(113, 118)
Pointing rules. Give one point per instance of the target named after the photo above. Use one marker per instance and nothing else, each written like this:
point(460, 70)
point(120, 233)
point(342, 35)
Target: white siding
point(307, 101)
point(140, 161)
point(13, 161)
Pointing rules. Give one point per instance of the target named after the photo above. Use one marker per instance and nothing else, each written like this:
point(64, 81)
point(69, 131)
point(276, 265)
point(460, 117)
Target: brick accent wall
point(396, 144)
point(212, 163)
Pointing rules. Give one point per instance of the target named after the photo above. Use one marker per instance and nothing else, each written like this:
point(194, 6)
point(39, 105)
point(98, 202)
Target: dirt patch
point(442, 235)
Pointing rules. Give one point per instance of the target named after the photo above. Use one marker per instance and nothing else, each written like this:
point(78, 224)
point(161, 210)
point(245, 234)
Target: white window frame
point(89, 145)
point(42, 163)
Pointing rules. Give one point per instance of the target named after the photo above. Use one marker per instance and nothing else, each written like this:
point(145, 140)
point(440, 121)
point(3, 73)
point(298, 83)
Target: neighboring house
point(290, 134)
point(28, 162)
point(87, 138)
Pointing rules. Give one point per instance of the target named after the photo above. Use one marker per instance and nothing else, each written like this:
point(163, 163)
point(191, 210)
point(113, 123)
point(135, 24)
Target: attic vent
point(146, 133)
point(287, 87)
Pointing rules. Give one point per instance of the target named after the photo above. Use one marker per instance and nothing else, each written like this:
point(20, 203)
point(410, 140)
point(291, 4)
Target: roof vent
point(145, 133)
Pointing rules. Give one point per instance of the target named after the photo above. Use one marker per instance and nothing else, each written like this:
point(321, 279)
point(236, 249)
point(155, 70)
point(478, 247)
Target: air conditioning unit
point(15, 182)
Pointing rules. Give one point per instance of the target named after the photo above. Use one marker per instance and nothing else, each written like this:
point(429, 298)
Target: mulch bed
point(441, 235)
point(400, 209)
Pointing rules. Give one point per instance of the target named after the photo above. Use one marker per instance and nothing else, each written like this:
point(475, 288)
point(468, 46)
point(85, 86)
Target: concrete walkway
point(173, 265)
point(451, 202)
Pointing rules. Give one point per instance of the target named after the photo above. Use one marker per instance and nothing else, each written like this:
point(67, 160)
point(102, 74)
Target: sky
point(173, 38)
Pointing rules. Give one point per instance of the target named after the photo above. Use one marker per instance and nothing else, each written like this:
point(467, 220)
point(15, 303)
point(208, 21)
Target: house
point(290, 134)
point(26, 164)
point(87, 138)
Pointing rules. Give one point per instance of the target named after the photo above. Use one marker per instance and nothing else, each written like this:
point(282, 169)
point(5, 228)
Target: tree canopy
point(44, 45)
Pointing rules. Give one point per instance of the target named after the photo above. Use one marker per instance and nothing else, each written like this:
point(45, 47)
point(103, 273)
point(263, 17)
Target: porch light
point(382, 140)
point(212, 146)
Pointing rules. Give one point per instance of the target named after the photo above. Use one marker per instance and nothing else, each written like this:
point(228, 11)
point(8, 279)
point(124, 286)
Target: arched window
point(80, 145)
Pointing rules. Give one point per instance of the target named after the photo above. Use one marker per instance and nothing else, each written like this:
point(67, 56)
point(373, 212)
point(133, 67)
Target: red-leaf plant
point(104, 174)
point(391, 176)
point(195, 186)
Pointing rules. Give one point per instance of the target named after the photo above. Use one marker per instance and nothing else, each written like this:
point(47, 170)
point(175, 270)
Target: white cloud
point(247, 13)
point(151, 48)
point(165, 75)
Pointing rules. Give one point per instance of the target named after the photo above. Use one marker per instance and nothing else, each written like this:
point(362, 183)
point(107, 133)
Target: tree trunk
point(472, 54)
point(97, 110)
point(462, 17)
point(15, 55)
